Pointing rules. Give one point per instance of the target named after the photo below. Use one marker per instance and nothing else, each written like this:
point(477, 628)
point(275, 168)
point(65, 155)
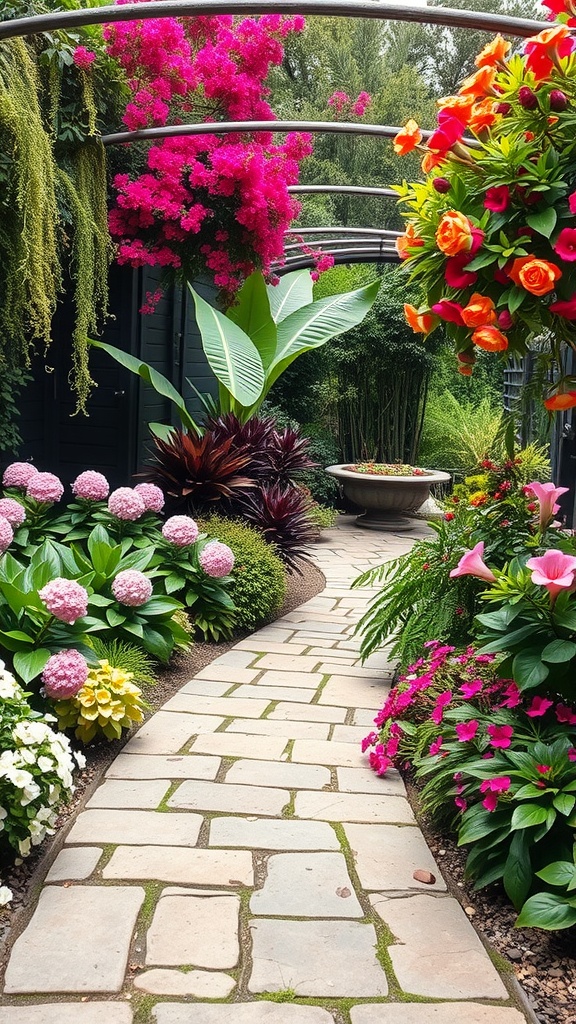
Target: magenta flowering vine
point(205, 203)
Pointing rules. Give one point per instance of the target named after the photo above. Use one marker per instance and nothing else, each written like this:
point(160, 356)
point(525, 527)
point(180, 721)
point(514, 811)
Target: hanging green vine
point(31, 275)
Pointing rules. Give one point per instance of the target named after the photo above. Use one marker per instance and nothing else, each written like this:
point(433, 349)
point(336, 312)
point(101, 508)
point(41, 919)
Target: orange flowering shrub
point(491, 231)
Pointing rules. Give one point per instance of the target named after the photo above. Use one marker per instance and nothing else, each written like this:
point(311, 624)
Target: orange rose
point(408, 138)
point(454, 233)
point(490, 339)
point(481, 83)
point(479, 312)
point(421, 323)
point(561, 400)
point(536, 276)
point(405, 241)
point(493, 53)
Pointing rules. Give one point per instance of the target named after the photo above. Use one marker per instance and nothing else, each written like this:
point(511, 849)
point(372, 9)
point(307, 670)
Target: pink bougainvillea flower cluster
point(204, 202)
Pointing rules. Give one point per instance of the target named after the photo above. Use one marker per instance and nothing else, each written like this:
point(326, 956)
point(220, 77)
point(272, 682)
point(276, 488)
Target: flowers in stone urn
point(491, 232)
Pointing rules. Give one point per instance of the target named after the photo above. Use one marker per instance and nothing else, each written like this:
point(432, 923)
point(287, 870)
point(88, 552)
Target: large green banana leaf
point(313, 325)
point(232, 356)
point(251, 312)
point(157, 380)
point(291, 293)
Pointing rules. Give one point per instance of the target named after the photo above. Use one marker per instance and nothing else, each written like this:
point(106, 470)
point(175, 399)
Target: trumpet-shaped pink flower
point(471, 564)
point(538, 707)
point(546, 495)
point(553, 570)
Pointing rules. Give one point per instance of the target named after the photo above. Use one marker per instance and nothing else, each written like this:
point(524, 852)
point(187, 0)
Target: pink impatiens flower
point(553, 570)
point(466, 731)
point(493, 788)
point(64, 674)
point(471, 564)
point(471, 689)
point(539, 706)
point(442, 701)
point(497, 198)
point(565, 714)
point(546, 495)
point(565, 245)
point(500, 735)
point(436, 746)
point(65, 599)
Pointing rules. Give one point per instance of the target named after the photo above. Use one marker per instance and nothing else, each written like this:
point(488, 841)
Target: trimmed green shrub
point(259, 579)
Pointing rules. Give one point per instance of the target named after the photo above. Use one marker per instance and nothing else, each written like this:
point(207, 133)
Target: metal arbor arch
point(353, 244)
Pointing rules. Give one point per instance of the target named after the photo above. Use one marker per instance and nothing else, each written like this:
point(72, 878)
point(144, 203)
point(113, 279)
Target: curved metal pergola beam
point(450, 17)
point(330, 244)
point(358, 255)
point(377, 232)
point(345, 190)
point(383, 131)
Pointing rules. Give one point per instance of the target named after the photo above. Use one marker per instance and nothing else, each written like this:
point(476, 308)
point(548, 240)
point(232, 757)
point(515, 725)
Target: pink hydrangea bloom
point(13, 511)
point(91, 486)
point(44, 487)
point(64, 674)
point(180, 530)
point(65, 599)
point(125, 503)
point(132, 588)
point(471, 564)
point(553, 570)
point(216, 559)
point(17, 474)
point(6, 534)
point(152, 496)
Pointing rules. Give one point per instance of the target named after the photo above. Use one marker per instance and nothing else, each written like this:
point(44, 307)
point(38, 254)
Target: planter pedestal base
point(378, 520)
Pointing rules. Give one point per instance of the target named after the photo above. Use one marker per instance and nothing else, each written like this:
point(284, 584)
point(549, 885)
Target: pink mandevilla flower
point(44, 487)
point(65, 599)
point(132, 588)
point(17, 474)
point(553, 570)
point(546, 495)
point(91, 486)
point(125, 503)
point(500, 735)
point(64, 674)
point(471, 564)
point(180, 530)
point(13, 511)
point(565, 245)
point(216, 559)
point(6, 534)
point(152, 496)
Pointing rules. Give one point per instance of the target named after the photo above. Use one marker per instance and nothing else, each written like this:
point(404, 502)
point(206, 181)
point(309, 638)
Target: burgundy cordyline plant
point(205, 203)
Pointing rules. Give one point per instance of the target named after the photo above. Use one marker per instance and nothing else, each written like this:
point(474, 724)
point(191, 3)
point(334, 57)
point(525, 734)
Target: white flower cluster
point(36, 766)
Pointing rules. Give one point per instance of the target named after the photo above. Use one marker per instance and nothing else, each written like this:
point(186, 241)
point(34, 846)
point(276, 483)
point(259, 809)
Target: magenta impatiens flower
point(466, 731)
point(471, 689)
point(546, 495)
point(497, 198)
point(553, 570)
point(125, 503)
point(46, 487)
point(152, 496)
point(442, 701)
point(436, 746)
point(17, 474)
point(538, 707)
point(500, 735)
point(65, 599)
point(471, 564)
point(216, 559)
point(493, 788)
point(180, 530)
point(13, 511)
point(132, 588)
point(64, 674)
point(565, 714)
point(91, 486)
point(565, 245)
point(6, 534)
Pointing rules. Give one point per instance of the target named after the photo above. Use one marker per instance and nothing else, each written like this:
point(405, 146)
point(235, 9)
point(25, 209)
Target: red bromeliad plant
point(491, 232)
point(205, 203)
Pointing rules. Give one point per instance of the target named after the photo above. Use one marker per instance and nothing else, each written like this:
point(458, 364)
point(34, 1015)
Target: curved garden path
point(239, 863)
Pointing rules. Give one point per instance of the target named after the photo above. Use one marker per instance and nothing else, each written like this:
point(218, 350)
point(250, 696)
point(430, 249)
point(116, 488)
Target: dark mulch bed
point(22, 878)
point(543, 962)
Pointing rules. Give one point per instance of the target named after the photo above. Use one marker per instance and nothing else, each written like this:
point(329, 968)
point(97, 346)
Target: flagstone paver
point(246, 814)
point(307, 885)
point(90, 927)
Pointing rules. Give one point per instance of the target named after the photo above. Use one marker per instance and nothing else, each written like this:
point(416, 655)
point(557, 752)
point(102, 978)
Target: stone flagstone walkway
point(239, 863)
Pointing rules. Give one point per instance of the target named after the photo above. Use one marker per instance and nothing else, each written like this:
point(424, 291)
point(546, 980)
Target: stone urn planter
point(388, 500)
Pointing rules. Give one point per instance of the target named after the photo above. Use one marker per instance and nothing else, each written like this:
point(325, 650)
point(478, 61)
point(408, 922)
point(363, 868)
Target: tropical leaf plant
point(196, 471)
point(281, 514)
